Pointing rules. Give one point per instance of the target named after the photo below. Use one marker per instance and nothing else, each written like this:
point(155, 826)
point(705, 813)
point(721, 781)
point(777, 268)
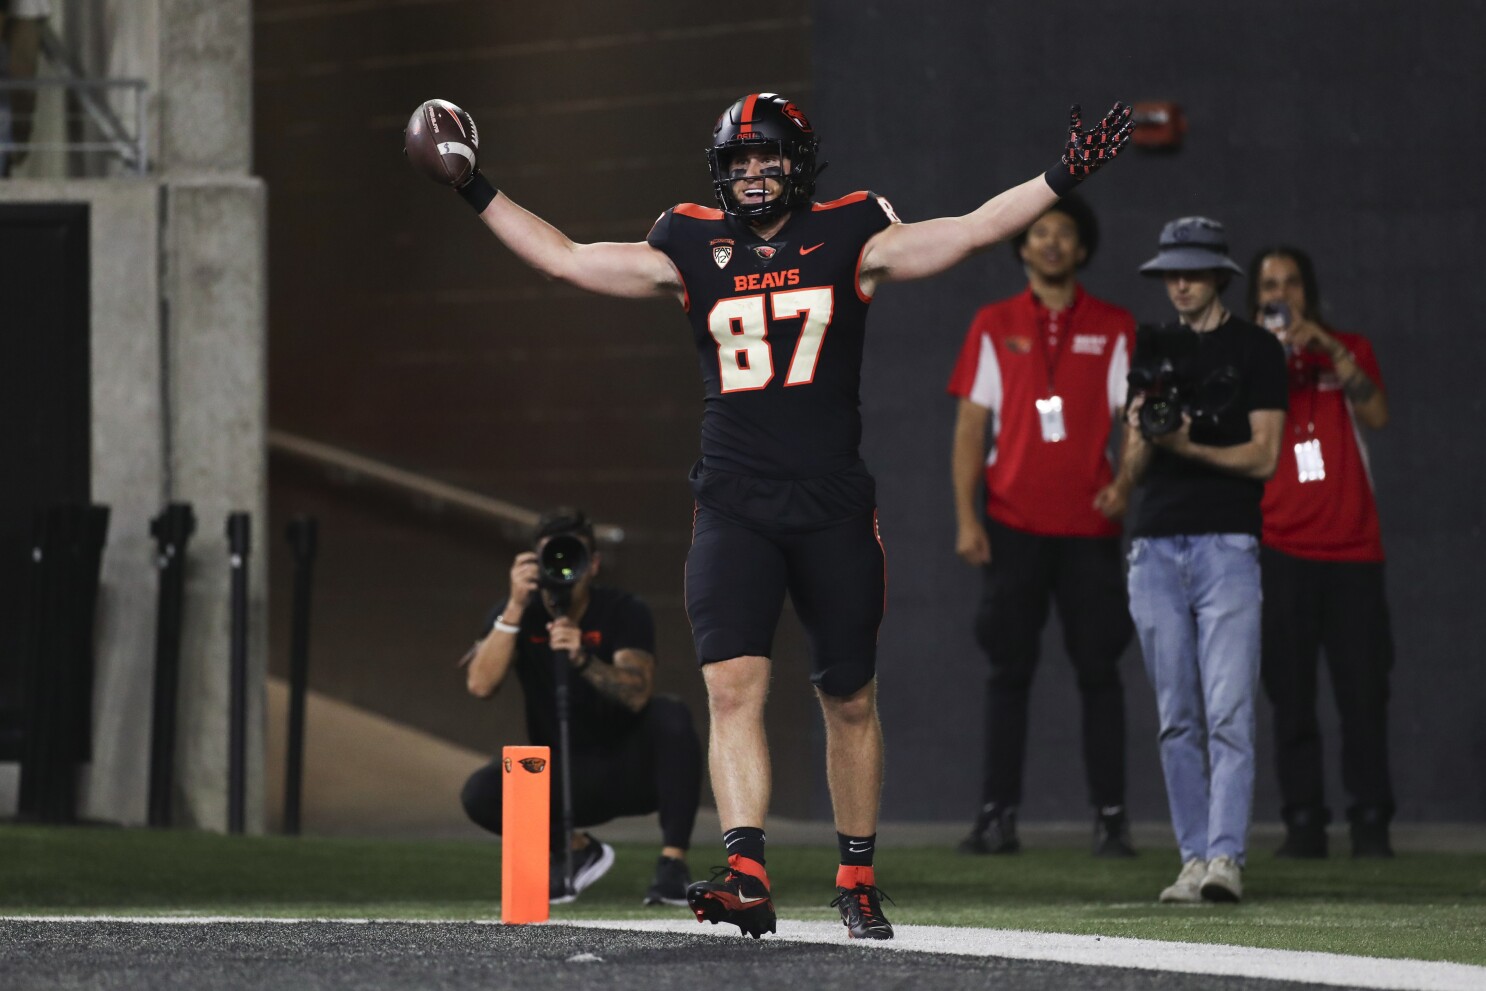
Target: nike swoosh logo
point(806, 251)
point(750, 901)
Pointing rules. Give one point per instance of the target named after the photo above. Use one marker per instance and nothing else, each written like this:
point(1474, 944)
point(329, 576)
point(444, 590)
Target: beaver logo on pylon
point(533, 764)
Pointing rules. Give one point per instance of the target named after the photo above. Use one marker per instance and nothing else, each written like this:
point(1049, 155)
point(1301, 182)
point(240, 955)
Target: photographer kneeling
point(633, 752)
point(1203, 429)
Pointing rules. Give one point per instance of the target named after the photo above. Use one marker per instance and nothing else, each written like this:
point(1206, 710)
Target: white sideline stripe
point(1119, 951)
point(1094, 951)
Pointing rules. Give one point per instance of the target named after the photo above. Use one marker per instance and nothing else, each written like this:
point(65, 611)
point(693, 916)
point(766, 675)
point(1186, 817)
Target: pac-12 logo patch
point(722, 251)
point(765, 251)
point(533, 764)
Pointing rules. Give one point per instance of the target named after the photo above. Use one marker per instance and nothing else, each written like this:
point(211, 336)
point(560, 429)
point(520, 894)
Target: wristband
point(1060, 178)
point(478, 192)
point(501, 626)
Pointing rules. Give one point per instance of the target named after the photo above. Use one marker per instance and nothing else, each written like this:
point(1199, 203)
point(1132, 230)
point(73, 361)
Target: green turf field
point(1429, 906)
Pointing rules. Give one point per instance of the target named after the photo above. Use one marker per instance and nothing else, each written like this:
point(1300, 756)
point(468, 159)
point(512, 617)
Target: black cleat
point(861, 912)
point(735, 896)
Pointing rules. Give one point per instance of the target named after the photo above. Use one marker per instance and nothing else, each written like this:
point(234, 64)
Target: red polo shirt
point(1334, 518)
point(1017, 352)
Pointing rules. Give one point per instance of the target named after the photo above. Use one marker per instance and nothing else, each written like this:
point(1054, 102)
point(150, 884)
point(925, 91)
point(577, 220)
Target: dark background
point(401, 329)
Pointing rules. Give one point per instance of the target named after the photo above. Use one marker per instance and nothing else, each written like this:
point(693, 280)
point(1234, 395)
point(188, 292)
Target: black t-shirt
point(1180, 495)
point(614, 621)
point(779, 327)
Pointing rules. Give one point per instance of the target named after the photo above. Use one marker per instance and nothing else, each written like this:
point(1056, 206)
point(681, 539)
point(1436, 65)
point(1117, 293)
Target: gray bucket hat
point(1192, 244)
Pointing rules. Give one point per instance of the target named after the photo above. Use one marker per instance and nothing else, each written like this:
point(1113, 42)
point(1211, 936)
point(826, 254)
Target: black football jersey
point(779, 327)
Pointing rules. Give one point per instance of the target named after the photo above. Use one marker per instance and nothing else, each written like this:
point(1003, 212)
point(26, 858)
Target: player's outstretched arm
point(914, 251)
point(442, 142)
point(613, 268)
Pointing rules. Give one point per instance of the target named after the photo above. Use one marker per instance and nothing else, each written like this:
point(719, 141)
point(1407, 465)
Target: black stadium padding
point(67, 552)
point(45, 410)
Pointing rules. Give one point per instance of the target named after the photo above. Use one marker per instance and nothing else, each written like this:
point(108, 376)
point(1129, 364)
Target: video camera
point(1172, 389)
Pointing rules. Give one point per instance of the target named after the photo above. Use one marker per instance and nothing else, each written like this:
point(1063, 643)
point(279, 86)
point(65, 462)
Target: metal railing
point(91, 93)
point(426, 493)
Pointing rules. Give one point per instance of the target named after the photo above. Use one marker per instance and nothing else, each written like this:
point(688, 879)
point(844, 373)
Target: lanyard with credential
point(1050, 410)
point(1309, 464)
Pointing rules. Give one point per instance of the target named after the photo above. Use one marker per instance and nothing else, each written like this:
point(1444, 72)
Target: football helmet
point(772, 121)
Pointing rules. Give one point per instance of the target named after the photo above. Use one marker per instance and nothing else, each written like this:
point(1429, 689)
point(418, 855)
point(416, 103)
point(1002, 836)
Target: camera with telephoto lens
point(561, 564)
point(1171, 391)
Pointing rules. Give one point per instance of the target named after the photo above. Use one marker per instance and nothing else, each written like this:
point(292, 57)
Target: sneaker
point(737, 893)
point(1188, 886)
point(1223, 881)
point(861, 912)
point(1112, 833)
point(589, 864)
point(1370, 833)
point(669, 885)
point(994, 832)
point(1305, 834)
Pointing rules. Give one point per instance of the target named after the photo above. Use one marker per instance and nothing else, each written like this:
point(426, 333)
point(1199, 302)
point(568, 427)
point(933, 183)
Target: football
point(441, 142)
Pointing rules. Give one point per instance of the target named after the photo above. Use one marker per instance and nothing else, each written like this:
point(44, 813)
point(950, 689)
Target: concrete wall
point(178, 391)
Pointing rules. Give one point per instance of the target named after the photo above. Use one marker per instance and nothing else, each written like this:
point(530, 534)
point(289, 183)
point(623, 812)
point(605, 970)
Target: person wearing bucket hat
point(1194, 558)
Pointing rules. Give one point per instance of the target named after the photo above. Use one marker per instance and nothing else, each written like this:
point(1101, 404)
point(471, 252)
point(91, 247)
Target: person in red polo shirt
point(1044, 372)
point(1322, 566)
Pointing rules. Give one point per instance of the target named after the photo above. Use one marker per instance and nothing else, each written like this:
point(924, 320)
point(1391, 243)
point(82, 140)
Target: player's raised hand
point(442, 143)
point(1087, 150)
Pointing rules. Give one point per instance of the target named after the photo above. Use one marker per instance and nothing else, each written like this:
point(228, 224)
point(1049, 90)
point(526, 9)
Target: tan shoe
point(1188, 886)
point(1223, 881)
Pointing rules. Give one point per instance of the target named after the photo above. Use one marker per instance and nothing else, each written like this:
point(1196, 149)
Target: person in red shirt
point(1044, 372)
point(1322, 565)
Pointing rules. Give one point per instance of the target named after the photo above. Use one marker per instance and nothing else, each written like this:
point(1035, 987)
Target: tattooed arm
point(1368, 401)
point(628, 681)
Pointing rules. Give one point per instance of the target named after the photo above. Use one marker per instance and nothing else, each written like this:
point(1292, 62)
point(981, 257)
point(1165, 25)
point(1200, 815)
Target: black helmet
point(770, 120)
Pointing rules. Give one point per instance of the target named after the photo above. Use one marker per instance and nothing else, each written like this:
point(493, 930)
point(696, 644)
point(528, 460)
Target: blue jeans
point(1196, 605)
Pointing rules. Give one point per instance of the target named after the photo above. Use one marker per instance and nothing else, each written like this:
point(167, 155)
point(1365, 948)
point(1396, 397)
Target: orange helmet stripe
point(747, 111)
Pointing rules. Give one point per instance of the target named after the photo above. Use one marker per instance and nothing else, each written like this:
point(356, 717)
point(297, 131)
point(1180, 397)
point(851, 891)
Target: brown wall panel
point(399, 328)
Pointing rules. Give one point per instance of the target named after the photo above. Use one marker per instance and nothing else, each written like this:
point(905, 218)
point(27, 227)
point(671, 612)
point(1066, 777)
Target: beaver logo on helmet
point(769, 121)
point(797, 115)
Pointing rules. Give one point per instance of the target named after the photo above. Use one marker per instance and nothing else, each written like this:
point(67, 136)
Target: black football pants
point(1085, 576)
point(656, 767)
point(1339, 607)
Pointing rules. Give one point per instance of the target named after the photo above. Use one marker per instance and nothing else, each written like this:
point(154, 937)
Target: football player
point(776, 286)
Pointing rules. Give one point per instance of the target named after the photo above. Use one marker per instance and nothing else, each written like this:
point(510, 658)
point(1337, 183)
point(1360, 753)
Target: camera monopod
point(561, 564)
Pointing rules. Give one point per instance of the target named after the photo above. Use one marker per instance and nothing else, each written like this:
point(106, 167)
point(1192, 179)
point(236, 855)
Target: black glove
point(1087, 151)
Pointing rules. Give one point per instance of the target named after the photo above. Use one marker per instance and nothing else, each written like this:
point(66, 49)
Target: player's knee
point(846, 688)
point(737, 688)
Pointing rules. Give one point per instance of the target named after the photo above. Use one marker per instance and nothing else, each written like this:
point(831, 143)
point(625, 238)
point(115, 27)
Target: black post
point(562, 667)
point(238, 542)
point(172, 530)
point(302, 534)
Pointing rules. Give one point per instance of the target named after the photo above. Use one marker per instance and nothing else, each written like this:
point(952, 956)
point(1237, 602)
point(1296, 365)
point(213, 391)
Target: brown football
point(441, 142)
